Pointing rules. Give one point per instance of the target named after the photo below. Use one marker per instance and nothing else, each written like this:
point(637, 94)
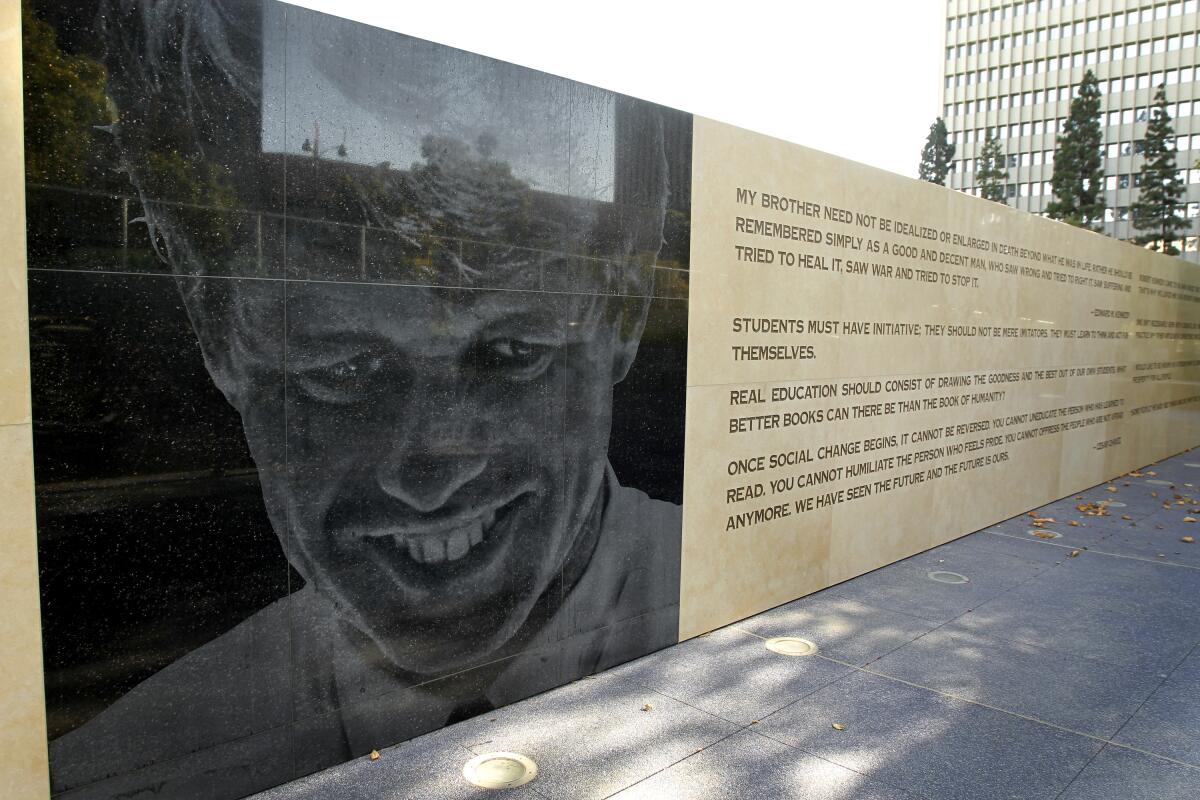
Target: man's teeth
point(450, 545)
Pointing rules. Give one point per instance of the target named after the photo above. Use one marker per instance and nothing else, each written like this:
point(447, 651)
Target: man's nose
point(426, 477)
point(435, 448)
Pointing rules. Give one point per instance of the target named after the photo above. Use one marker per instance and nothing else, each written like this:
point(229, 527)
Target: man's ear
point(629, 335)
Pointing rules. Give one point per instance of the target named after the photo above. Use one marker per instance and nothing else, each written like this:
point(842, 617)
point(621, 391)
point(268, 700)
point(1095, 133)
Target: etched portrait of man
point(417, 275)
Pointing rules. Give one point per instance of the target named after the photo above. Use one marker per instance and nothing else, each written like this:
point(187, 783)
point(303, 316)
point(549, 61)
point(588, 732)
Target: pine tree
point(936, 155)
point(1156, 209)
point(992, 173)
point(1078, 180)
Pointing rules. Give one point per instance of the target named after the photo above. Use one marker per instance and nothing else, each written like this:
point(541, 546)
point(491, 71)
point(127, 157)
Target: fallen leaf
point(1189, 519)
point(1154, 494)
point(1073, 524)
point(837, 726)
point(1044, 534)
point(1126, 516)
point(1112, 488)
point(1073, 554)
point(1188, 539)
point(647, 707)
point(374, 755)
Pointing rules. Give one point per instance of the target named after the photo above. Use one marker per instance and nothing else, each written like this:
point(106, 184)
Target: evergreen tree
point(991, 172)
point(936, 155)
point(1156, 209)
point(1078, 180)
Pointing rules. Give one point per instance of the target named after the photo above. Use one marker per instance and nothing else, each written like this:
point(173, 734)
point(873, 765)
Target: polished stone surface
point(925, 709)
point(358, 387)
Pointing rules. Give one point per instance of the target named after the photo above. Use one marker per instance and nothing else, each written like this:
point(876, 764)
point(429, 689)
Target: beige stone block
point(1078, 319)
point(23, 763)
point(14, 327)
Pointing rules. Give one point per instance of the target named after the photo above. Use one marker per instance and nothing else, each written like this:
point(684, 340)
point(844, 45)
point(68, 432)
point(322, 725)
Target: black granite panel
point(359, 369)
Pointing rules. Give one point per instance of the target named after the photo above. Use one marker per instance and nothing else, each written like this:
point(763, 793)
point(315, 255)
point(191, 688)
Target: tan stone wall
point(23, 768)
point(1066, 320)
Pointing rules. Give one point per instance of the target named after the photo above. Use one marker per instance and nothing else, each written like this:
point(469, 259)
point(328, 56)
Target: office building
point(1013, 67)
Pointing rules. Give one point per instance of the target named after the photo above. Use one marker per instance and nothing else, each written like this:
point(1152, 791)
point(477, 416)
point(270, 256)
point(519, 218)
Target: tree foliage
point(936, 155)
point(1078, 180)
point(1157, 208)
point(991, 171)
point(64, 102)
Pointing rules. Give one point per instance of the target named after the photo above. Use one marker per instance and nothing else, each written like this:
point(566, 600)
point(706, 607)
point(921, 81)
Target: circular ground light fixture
point(1192, 465)
point(1043, 533)
point(1113, 503)
point(1160, 483)
point(500, 770)
point(942, 576)
point(791, 646)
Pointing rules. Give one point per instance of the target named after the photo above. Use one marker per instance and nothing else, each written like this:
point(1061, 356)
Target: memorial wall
point(877, 365)
point(360, 370)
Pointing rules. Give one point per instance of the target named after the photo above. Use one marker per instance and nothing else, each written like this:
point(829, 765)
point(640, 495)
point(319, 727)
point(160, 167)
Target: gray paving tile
point(1146, 584)
point(426, 767)
point(730, 673)
point(1189, 668)
point(1020, 544)
point(844, 628)
point(1063, 689)
point(907, 588)
point(1119, 774)
point(1169, 722)
point(747, 765)
point(930, 744)
point(1149, 542)
point(594, 737)
point(1152, 633)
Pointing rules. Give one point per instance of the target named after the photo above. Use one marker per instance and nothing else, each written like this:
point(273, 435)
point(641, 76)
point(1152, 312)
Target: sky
point(856, 78)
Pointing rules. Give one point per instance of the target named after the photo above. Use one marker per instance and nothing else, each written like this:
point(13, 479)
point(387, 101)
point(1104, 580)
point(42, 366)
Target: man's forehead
point(317, 309)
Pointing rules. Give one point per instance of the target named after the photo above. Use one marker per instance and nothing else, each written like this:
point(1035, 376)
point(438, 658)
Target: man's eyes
point(514, 359)
point(364, 375)
point(342, 382)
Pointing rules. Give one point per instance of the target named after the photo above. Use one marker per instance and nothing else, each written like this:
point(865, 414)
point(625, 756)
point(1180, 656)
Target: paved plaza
point(1066, 666)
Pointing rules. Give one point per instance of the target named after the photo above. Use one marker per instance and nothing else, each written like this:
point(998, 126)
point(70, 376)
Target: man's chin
point(458, 645)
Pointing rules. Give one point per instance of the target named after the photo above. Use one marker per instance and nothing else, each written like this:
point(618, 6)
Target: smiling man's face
point(445, 451)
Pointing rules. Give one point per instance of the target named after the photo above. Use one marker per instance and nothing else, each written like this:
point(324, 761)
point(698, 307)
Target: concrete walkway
point(1064, 668)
